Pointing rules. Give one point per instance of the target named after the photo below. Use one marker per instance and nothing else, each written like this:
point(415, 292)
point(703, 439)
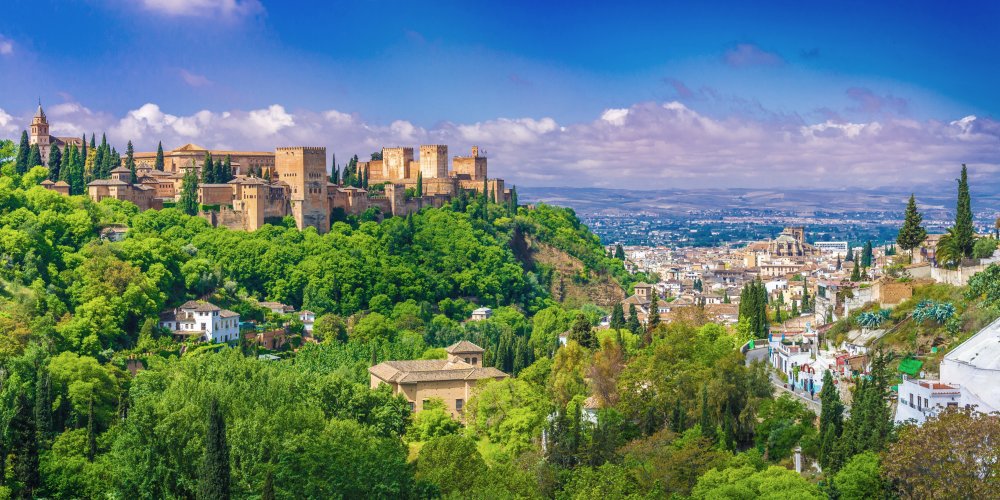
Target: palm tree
point(948, 253)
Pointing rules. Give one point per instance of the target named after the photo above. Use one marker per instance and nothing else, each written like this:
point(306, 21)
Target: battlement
point(307, 149)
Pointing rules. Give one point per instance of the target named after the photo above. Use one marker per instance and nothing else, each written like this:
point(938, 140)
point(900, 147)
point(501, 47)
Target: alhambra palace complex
point(297, 182)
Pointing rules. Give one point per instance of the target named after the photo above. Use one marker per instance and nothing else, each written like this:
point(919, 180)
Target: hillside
point(569, 281)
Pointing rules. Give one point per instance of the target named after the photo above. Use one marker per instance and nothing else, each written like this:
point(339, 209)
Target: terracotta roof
point(47, 182)
point(411, 372)
point(226, 313)
point(108, 182)
point(463, 346)
point(61, 184)
point(120, 170)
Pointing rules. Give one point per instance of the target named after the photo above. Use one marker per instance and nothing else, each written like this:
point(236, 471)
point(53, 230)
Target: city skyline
point(661, 97)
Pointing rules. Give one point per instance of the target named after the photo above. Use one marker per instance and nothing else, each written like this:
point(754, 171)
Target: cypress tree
point(856, 272)
point(130, 161)
point(420, 184)
point(24, 444)
point(76, 182)
point(93, 140)
point(654, 311)
point(43, 404)
point(208, 169)
point(215, 478)
point(189, 193)
point(83, 145)
point(911, 233)
point(806, 298)
point(617, 316)
point(795, 310)
point(267, 492)
point(34, 157)
point(159, 157)
point(23, 154)
point(227, 169)
point(619, 252)
point(633, 319)
point(866, 254)
point(91, 431)
point(706, 422)
point(777, 314)
point(839, 264)
point(67, 163)
point(55, 162)
point(964, 233)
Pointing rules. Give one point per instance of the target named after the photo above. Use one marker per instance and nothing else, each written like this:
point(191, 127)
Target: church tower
point(40, 133)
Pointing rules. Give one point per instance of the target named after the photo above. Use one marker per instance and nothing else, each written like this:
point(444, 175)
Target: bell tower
point(40, 133)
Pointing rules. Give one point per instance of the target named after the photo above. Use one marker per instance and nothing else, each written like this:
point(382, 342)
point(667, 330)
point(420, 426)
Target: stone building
point(451, 379)
point(193, 156)
point(40, 135)
point(121, 187)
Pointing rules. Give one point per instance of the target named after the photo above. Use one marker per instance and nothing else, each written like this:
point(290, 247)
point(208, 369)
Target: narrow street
point(760, 354)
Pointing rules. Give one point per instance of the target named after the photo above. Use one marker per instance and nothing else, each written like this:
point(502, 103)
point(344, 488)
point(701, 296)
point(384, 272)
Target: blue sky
point(696, 91)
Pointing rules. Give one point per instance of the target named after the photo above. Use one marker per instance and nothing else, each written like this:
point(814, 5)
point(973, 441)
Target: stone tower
point(434, 161)
point(40, 133)
point(304, 170)
point(396, 163)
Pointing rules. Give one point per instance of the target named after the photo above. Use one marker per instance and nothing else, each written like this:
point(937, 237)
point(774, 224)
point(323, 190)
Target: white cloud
point(647, 145)
point(205, 8)
point(194, 79)
point(6, 46)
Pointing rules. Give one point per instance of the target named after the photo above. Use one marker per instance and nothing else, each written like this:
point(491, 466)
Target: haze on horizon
point(655, 95)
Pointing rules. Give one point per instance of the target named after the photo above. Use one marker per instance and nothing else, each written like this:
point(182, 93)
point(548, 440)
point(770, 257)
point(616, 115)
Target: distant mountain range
point(801, 202)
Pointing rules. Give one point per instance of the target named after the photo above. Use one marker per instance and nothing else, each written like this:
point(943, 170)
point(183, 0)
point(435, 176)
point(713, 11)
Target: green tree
point(23, 154)
point(188, 202)
point(861, 478)
point(159, 165)
point(746, 482)
point(856, 271)
point(619, 252)
point(912, 232)
point(964, 235)
point(451, 463)
point(130, 161)
point(654, 311)
point(582, 333)
point(866, 255)
point(432, 421)
point(617, 320)
point(215, 473)
point(831, 419)
point(55, 161)
point(34, 157)
point(24, 444)
point(208, 169)
point(633, 319)
point(420, 184)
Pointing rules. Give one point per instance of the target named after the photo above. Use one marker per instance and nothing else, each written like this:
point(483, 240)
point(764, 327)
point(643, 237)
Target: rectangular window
point(459, 404)
point(413, 406)
point(911, 400)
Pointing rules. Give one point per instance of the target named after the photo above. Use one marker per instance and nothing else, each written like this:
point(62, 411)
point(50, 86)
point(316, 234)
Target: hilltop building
point(202, 321)
point(40, 135)
point(450, 379)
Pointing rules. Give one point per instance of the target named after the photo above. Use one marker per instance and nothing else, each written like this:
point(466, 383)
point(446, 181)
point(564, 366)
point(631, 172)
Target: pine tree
point(963, 235)
point(23, 154)
point(189, 193)
point(911, 233)
point(130, 161)
point(159, 157)
point(617, 321)
point(619, 252)
point(420, 184)
point(55, 162)
point(215, 475)
point(633, 319)
point(208, 169)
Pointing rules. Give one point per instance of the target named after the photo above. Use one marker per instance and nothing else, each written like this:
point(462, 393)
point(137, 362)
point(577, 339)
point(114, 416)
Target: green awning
point(911, 366)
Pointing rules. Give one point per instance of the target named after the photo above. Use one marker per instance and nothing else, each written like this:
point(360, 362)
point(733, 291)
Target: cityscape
point(260, 249)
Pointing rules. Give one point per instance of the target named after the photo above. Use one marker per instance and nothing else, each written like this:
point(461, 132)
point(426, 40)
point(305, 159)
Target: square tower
point(396, 163)
point(434, 161)
point(304, 170)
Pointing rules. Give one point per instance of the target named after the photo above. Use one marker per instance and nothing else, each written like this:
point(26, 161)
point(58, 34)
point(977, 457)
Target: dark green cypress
point(617, 316)
point(91, 431)
point(706, 422)
point(215, 478)
point(130, 161)
point(267, 492)
point(207, 169)
point(23, 154)
point(964, 234)
point(654, 311)
point(24, 444)
point(159, 157)
point(43, 404)
point(55, 162)
point(34, 157)
point(633, 319)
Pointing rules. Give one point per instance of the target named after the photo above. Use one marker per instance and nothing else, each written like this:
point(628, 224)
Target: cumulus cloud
point(747, 54)
point(204, 8)
point(647, 145)
point(6, 46)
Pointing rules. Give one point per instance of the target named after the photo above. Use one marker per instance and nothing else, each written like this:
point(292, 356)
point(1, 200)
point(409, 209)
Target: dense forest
point(670, 412)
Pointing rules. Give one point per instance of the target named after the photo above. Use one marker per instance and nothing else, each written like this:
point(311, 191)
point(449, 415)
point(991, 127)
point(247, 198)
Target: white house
point(482, 313)
point(307, 318)
point(202, 320)
point(969, 375)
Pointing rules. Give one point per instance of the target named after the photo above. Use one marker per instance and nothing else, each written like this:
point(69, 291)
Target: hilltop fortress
point(291, 181)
